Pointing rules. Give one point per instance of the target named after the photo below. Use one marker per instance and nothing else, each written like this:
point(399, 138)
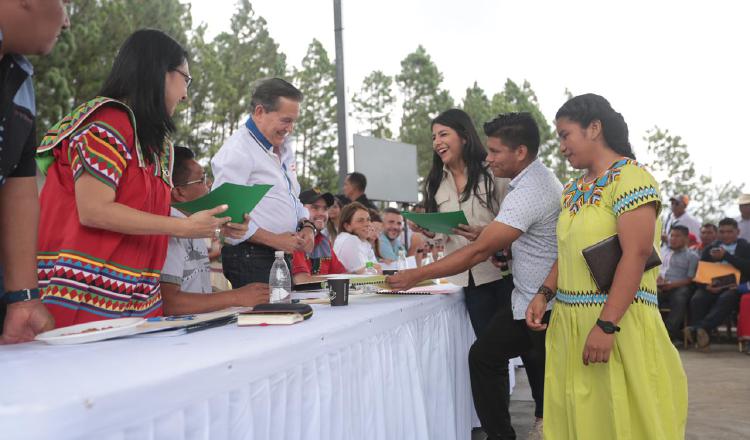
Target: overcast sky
point(681, 65)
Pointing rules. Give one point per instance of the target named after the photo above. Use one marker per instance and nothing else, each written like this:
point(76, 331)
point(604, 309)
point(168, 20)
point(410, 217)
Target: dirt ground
point(718, 387)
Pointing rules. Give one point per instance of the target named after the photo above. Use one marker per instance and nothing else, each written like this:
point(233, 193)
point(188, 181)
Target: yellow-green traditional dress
point(641, 393)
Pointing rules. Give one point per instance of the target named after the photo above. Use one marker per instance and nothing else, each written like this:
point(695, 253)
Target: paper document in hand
point(439, 222)
point(241, 199)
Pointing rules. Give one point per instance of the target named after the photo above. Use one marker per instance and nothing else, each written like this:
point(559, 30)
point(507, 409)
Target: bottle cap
point(279, 254)
point(369, 264)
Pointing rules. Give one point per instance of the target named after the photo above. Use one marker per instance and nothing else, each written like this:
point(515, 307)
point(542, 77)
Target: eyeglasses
point(203, 180)
point(188, 78)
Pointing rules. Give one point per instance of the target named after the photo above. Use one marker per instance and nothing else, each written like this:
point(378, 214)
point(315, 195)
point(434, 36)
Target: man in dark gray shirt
point(526, 223)
point(675, 282)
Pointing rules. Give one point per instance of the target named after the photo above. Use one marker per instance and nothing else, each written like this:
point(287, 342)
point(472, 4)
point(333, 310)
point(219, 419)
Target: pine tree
point(419, 82)
point(315, 130)
point(373, 104)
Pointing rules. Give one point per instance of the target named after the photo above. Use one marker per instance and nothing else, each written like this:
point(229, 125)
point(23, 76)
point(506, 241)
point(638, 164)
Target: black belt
point(257, 247)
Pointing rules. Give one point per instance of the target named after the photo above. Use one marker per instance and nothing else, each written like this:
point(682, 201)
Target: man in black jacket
point(26, 28)
point(711, 306)
point(354, 189)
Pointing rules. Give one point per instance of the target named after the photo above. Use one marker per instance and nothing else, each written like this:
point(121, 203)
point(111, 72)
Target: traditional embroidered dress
point(88, 274)
point(641, 393)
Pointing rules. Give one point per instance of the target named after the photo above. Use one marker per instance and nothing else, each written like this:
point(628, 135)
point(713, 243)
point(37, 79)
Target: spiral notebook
point(431, 289)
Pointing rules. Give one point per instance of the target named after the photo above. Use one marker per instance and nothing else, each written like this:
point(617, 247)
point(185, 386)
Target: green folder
point(240, 198)
point(440, 222)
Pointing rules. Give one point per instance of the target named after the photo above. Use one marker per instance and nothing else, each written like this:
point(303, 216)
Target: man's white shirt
point(244, 160)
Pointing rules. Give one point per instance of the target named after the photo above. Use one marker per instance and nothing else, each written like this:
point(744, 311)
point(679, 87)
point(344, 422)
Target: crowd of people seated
point(693, 310)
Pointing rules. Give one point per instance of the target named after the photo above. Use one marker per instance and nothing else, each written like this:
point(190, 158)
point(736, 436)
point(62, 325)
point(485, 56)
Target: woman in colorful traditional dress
point(612, 372)
point(105, 203)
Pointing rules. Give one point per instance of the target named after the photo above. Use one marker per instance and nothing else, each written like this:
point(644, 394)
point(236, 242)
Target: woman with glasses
point(352, 246)
point(105, 203)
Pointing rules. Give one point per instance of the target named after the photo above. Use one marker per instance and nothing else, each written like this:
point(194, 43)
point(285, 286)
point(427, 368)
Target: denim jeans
point(677, 300)
point(709, 310)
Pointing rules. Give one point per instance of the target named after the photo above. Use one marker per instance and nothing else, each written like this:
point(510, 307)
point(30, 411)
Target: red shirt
point(325, 264)
point(88, 274)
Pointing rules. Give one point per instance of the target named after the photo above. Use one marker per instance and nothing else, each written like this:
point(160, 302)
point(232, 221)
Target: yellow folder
point(707, 271)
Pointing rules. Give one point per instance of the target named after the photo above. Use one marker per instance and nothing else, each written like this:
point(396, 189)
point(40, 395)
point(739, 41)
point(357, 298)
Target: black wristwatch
point(305, 223)
point(607, 326)
point(20, 296)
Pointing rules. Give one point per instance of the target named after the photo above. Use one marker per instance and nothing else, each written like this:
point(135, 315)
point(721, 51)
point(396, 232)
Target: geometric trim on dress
point(78, 281)
point(578, 193)
point(70, 124)
point(635, 197)
point(592, 298)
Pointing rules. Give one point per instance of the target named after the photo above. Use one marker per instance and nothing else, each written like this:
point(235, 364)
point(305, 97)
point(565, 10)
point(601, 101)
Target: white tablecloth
point(382, 368)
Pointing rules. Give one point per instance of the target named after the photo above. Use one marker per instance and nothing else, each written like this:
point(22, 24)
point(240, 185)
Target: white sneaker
point(536, 431)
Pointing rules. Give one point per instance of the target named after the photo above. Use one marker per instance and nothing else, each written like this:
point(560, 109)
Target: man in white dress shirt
point(679, 216)
point(260, 152)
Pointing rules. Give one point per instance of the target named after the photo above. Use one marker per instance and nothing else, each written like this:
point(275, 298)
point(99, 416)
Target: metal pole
point(340, 93)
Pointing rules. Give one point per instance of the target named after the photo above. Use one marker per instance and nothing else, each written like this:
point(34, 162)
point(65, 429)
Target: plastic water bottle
point(427, 259)
point(370, 271)
point(401, 263)
point(280, 281)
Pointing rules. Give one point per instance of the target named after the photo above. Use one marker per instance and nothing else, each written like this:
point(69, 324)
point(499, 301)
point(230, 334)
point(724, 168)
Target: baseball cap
point(311, 196)
point(681, 198)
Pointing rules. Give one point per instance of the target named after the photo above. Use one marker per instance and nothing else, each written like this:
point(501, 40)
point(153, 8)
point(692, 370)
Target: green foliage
point(523, 99)
point(675, 170)
point(373, 104)
point(477, 106)
point(223, 69)
point(230, 65)
point(316, 127)
point(419, 82)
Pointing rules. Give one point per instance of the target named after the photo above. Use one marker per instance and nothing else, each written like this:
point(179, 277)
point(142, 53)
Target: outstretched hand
point(468, 232)
point(403, 279)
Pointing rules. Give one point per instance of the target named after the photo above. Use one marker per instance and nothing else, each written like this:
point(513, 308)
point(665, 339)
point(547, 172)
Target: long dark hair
point(137, 78)
point(473, 154)
point(587, 108)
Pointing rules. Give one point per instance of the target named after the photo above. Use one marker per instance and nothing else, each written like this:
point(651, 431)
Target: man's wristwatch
point(607, 326)
point(305, 223)
point(547, 292)
point(22, 295)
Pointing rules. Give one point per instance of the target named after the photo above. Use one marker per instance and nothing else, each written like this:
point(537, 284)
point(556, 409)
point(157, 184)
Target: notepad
point(275, 314)
point(432, 289)
point(439, 222)
point(241, 200)
point(269, 318)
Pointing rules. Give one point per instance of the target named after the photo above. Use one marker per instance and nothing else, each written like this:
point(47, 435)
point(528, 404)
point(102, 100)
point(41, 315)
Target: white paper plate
point(91, 331)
